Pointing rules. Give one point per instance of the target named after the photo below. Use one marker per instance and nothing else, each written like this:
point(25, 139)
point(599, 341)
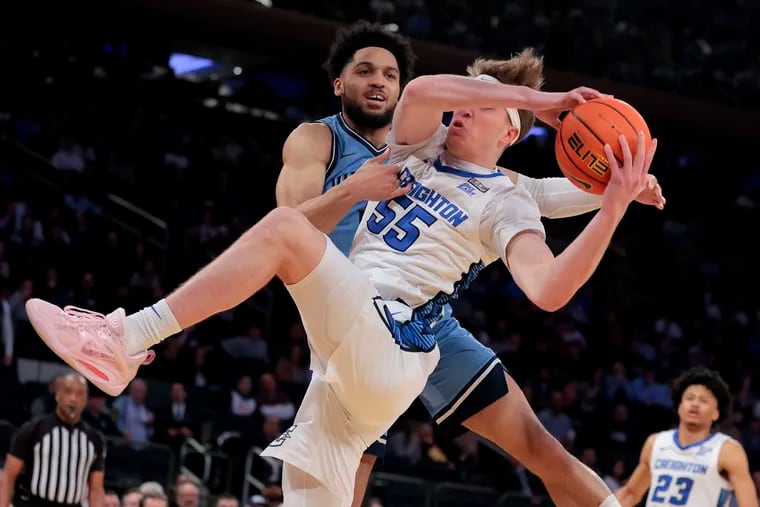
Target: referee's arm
point(97, 473)
point(14, 463)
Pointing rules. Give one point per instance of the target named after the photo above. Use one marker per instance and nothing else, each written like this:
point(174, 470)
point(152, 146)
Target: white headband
point(514, 116)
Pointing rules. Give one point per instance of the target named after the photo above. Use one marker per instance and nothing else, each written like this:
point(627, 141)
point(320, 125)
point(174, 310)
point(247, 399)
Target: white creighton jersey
point(422, 248)
point(689, 475)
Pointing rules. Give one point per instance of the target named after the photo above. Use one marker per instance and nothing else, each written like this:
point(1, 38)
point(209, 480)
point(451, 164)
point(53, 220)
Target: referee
point(56, 460)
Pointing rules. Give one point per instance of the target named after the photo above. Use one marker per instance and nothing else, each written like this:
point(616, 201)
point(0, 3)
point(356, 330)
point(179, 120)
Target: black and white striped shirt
point(58, 459)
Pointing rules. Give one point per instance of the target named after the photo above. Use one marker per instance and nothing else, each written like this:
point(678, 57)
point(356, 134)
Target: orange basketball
point(579, 145)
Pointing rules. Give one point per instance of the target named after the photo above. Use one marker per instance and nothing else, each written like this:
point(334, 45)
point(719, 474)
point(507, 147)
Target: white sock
point(149, 326)
point(610, 501)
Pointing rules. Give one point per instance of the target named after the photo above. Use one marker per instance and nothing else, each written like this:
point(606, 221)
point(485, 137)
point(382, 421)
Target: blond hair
point(523, 69)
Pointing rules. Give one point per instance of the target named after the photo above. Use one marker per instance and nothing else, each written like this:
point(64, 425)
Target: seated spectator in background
point(616, 478)
point(589, 458)
point(242, 403)
point(154, 500)
point(226, 500)
point(294, 368)
point(252, 345)
point(7, 329)
point(151, 488)
point(131, 498)
point(273, 402)
point(270, 430)
point(98, 416)
point(133, 418)
point(178, 421)
point(69, 157)
point(647, 391)
point(556, 421)
point(174, 361)
point(617, 387)
point(111, 499)
point(186, 494)
point(621, 437)
point(432, 455)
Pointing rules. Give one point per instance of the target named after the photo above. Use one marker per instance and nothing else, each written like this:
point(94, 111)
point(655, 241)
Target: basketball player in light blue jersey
point(693, 465)
point(368, 66)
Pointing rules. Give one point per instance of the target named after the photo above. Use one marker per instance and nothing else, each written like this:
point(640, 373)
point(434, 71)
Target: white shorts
point(363, 381)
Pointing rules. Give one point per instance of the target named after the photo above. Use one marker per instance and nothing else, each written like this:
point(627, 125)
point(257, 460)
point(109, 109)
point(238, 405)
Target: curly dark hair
point(711, 380)
point(350, 39)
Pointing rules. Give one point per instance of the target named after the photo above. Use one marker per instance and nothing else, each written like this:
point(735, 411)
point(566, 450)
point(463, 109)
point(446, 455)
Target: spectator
point(111, 499)
point(272, 401)
point(187, 494)
point(154, 500)
point(178, 421)
point(242, 402)
point(250, 346)
point(556, 421)
point(98, 416)
point(131, 498)
point(133, 418)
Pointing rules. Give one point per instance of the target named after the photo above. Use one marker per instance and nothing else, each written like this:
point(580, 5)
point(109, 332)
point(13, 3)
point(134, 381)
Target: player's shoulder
point(309, 140)
point(655, 442)
point(311, 132)
point(730, 444)
point(502, 192)
point(663, 435)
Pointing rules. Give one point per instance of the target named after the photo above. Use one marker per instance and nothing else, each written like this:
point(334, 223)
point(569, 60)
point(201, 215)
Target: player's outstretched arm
point(306, 155)
point(549, 281)
point(559, 198)
point(633, 490)
point(733, 461)
point(426, 98)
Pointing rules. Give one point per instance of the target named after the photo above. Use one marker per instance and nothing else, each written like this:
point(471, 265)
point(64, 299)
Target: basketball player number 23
point(683, 488)
point(399, 233)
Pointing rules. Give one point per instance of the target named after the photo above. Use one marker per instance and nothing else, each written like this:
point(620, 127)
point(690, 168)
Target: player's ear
point(508, 137)
point(338, 87)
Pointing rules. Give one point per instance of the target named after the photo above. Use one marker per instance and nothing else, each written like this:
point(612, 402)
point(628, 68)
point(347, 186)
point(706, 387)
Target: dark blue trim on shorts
point(492, 388)
point(377, 449)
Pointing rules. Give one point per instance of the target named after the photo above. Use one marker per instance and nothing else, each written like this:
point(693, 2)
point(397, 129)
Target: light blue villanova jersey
point(349, 151)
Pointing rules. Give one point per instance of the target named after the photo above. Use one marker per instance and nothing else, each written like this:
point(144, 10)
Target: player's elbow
point(420, 90)
point(549, 296)
point(548, 303)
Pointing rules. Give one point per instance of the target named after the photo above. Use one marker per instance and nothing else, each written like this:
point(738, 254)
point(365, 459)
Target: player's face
point(699, 407)
point(71, 398)
point(479, 131)
point(369, 87)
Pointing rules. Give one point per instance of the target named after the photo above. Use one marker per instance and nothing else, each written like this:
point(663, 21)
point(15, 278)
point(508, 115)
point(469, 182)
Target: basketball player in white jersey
point(323, 177)
point(370, 322)
point(693, 465)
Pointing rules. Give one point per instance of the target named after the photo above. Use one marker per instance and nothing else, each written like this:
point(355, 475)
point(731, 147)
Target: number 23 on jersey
point(678, 494)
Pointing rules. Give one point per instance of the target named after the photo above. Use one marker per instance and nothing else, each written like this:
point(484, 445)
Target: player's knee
point(283, 227)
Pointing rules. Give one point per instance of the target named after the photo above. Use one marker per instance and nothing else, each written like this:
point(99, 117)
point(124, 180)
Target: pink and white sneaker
point(89, 342)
